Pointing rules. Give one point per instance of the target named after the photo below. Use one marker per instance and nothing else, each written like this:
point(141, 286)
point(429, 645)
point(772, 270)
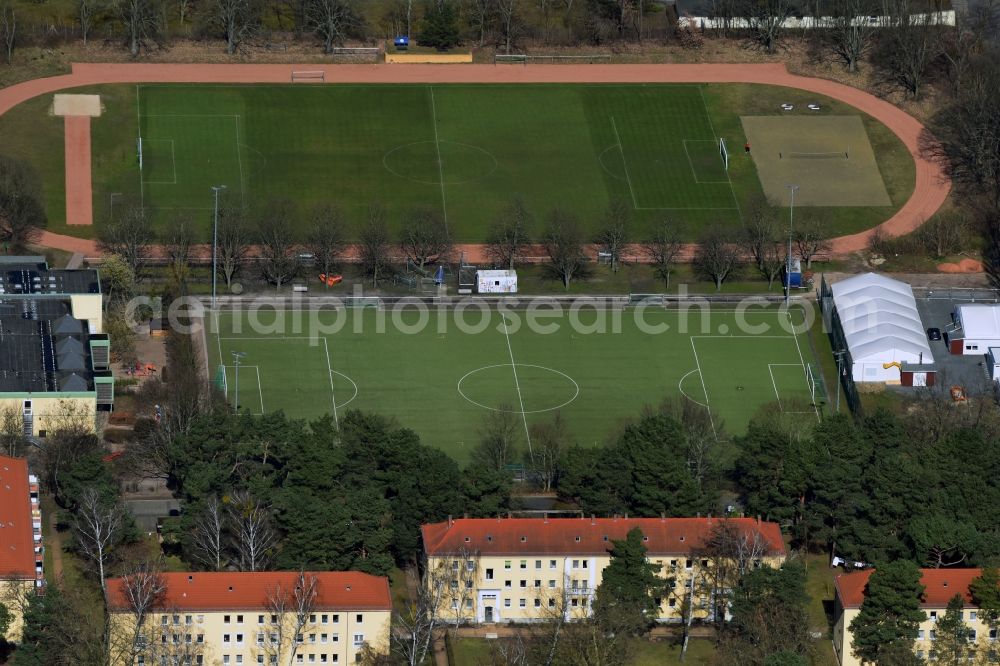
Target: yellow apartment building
point(940, 586)
point(246, 618)
point(21, 551)
point(497, 570)
point(55, 356)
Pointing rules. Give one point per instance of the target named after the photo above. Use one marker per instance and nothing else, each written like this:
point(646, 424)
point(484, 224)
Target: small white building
point(994, 359)
point(496, 282)
point(977, 328)
point(885, 338)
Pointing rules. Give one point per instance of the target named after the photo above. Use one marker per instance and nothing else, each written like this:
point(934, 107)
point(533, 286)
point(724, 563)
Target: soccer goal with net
point(817, 385)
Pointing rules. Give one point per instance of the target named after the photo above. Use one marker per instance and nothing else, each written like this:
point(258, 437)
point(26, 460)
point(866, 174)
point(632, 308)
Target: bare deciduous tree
point(510, 22)
point(811, 240)
point(414, 626)
point(86, 12)
point(851, 34)
point(142, 590)
point(717, 257)
point(510, 234)
point(97, 526)
point(234, 242)
point(8, 29)
point(253, 536)
point(291, 609)
point(766, 21)
point(662, 247)
point(730, 552)
point(140, 21)
point(614, 236)
point(22, 214)
point(277, 250)
point(12, 439)
point(482, 15)
point(128, 236)
point(762, 240)
point(911, 42)
point(332, 20)
point(944, 233)
point(326, 238)
point(424, 237)
point(238, 20)
point(177, 243)
point(563, 242)
point(209, 535)
point(549, 440)
point(373, 246)
point(499, 437)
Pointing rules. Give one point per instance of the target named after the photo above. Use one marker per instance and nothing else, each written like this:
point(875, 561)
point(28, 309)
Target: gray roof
point(20, 276)
point(74, 382)
point(32, 358)
point(67, 325)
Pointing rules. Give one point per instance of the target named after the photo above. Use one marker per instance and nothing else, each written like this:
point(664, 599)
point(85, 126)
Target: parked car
point(933, 334)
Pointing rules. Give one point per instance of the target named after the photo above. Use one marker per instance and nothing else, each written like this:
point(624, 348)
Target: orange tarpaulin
point(330, 280)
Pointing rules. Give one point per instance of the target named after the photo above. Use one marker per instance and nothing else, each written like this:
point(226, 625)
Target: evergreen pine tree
point(890, 613)
point(630, 590)
point(440, 26)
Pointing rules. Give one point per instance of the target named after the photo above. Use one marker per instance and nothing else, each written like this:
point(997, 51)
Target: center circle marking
point(494, 165)
point(576, 387)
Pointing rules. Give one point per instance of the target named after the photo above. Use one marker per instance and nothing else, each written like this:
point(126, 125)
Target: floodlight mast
point(788, 260)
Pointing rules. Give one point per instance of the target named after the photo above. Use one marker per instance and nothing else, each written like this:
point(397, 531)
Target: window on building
point(260, 638)
point(468, 584)
point(524, 583)
point(453, 584)
point(489, 574)
point(933, 616)
point(920, 654)
point(298, 638)
point(522, 603)
point(671, 602)
point(506, 564)
point(334, 638)
point(552, 582)
point(225, 638)
point(972, 635)
point(312, 618)
point(454, 604)
point(576, 564)
point(200, 638)
point(552, 564)
point(201, 618)
point(299, 659)
point(932, 655)
point(993, 634)
point(688, 564)
point(573, 602)
point(538, 603)
point(538, 564)
point(225, 659)
point(524, 564)
point(585, 563)
point(323, 638)
point(260, 619)
point(177, 619)
point(359, 618)
point(336, 618)
point(239, 619)
point(239, 659)
point(239, 639)
point(920, 634)
point(188, 619)
point(552, 603)
point(227, 618)
point(933, 635)
point(312, 638)
point(973, 615)
point(164, 620)
point(470, 565)
point(325, 618)
point(507, 583)
point(359, 640)
point(506, 603)
point(260, 659)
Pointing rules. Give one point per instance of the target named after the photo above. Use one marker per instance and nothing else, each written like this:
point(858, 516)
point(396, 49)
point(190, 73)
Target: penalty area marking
point(173, 162)
point(684, 393)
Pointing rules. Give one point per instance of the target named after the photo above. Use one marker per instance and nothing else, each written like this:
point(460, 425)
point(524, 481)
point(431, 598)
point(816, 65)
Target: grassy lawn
point(441, 372)
point(476, 651)
point(460, 150)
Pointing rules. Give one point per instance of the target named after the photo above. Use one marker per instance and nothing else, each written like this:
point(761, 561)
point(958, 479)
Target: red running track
point(930, 191)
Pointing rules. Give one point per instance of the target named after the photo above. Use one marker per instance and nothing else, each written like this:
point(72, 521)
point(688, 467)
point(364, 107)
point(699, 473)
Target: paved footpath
point(930, 191)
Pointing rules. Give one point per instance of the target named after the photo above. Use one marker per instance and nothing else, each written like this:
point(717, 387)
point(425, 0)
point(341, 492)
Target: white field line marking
point(680, 388)
point(517, 385)
point(239, 161)
point(777, 395)
point(802, 360)
point(437, 146)
point(333, 396)
point(259, 390)
point(628, 178)
point(686, 208)
point(708, 115)
point(138, 122)
point(684, 142)
point(190, 115)
point(704, 387)
point(173, 163)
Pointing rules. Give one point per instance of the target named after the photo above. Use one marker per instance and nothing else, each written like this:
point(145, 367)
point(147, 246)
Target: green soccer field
point(440, 372)
point(461, 150)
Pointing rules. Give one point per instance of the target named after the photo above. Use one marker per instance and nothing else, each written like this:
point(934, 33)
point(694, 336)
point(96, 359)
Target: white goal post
point(724, 152)
point(308, 75)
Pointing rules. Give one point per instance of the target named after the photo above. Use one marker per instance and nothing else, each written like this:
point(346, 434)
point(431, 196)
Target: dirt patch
point(963, 266)
point(76, 105)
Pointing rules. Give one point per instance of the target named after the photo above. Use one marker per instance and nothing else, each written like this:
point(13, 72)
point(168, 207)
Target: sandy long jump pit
point(77, 110)
point(828, 157)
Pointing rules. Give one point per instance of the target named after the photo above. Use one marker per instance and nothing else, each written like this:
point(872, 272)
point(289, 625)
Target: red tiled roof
point(940, 586)
point(211, 591)
point(580, 536)
point(17, 552)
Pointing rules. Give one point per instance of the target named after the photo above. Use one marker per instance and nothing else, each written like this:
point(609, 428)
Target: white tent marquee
point(882, 327)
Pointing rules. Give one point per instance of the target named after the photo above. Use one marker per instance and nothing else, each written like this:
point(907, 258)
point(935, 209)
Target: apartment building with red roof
point(230, 618)
point(940, 586)
point(21, 549)
point(495, 570)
